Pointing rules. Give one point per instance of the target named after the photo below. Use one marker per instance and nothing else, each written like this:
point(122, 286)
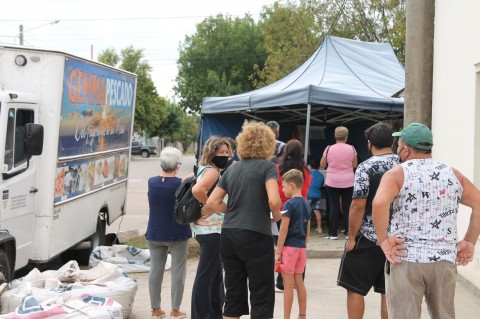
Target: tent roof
point(342, 73)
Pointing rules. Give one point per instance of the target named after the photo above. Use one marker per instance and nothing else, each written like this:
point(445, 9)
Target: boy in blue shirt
point(315, 193)
point(291, 253)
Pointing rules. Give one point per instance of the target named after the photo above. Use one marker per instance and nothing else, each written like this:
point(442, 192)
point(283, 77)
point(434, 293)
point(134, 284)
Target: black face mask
point(230, 162)
point(220, 161)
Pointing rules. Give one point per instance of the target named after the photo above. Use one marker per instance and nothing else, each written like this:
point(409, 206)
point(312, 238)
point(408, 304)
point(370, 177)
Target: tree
point(293, 31)
point(149, 106)
point(219, 59)
point(370, 20)
point(171, 124)
point(188, 133)
point(291, 34)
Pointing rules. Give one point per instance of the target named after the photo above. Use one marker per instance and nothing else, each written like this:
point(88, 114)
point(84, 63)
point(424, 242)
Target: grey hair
point(170, 158)
point(274, 126)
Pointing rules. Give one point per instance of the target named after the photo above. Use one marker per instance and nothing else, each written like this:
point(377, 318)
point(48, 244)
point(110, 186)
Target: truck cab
point(18, 181)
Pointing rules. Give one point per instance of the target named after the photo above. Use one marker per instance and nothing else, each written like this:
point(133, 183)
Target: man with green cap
point(421, 243)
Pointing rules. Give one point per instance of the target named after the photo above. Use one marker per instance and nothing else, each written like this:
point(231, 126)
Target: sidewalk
point(325, 298)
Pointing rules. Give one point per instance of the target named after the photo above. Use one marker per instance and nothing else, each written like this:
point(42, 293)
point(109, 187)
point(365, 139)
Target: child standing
point(315, 192)
point(291, 253)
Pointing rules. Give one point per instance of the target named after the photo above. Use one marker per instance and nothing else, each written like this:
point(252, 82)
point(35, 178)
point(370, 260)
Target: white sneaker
point(319, 231)
point(327, 237)
point(333, 237)
point(280, 291)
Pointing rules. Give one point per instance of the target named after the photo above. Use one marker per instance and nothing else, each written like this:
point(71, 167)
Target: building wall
point(456, 99)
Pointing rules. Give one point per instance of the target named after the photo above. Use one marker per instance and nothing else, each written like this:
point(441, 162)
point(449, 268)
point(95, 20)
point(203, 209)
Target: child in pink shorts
point(291, 253)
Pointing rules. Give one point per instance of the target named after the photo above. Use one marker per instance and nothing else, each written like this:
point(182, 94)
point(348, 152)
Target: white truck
point(65, 132)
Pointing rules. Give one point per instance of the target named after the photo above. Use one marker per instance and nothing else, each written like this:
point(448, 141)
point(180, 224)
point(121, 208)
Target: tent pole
point(200, 140)
point(307, 133)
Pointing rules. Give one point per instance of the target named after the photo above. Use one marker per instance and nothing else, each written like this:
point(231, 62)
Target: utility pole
point(21, 35)
point(419, 62)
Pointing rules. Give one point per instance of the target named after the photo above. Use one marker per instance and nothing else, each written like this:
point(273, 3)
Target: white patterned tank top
point(425, 211)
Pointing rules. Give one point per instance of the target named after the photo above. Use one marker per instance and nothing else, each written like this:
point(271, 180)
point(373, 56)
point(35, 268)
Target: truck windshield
point(15, 144)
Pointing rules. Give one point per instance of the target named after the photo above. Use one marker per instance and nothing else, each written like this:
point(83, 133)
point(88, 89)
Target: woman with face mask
point(208, 291)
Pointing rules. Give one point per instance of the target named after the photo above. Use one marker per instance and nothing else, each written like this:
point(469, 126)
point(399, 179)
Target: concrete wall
point(456, 99)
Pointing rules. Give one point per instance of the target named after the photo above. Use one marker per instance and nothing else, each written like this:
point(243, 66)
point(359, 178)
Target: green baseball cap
point(417, 135)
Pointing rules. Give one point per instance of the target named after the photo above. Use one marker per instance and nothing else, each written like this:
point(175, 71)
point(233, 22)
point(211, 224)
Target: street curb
point(325, 254)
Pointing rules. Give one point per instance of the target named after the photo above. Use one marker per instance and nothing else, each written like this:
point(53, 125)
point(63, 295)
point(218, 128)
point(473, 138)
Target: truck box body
point(86, 110)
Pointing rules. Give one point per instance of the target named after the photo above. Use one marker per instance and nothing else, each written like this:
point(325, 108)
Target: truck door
point(18, 183)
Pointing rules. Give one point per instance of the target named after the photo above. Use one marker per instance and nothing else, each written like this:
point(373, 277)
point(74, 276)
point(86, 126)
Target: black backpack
point(187, 207)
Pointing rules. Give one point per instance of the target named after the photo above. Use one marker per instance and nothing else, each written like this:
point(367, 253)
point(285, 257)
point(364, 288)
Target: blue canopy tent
point(345, 82)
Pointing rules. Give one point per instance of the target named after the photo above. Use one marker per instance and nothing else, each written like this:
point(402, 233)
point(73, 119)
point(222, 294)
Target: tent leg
point(307, 133)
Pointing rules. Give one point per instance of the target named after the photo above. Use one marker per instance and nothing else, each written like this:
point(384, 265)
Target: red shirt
point(306, 184)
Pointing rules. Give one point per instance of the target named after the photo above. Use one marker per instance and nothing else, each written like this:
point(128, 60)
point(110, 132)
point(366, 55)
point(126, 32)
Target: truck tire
point(99, 236)
point(82, 256)
point(145, 154)
point(6, 273)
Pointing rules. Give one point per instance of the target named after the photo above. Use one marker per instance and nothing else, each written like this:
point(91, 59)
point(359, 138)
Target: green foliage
point(218, 59)
point(149, 106)
point(188, 134)
point(109, 56)
point(293, 30)
point(291, 34)
point(177, 126)
point(171, 124)
point(371, 20)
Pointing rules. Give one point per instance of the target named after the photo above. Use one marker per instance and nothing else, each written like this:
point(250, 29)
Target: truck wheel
point(145, 154)
point(6, 274)
point(82, 256)
point(99, 237)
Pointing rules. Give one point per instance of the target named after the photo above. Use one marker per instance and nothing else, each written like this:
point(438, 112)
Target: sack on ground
point(104, 280)
point(128, 258)
point(68, 306)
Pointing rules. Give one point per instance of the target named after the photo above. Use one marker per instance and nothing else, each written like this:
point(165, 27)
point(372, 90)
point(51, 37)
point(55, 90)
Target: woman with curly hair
point(247, 252)
point(208, 292)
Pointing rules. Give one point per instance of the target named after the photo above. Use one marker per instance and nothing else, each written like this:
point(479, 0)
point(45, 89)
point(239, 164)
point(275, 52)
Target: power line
point(132, 19)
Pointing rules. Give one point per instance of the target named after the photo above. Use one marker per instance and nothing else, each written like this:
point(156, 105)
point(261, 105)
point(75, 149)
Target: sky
point(88, 27)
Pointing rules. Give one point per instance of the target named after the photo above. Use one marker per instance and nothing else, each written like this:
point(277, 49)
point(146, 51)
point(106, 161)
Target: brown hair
point(292, 157)
point(211, 147)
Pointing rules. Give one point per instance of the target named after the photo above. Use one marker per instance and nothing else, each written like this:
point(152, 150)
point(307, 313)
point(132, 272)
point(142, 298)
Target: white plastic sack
point(104, 280)
point(128, 258)
point(68, 306)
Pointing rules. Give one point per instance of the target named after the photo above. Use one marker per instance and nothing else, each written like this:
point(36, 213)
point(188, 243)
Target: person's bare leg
point(355, 305)
point(318, 216)
point(301, 296)
point(288, 283)
point(383, 306)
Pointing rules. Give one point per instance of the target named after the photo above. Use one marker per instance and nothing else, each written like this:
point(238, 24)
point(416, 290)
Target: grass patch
point(141, 242)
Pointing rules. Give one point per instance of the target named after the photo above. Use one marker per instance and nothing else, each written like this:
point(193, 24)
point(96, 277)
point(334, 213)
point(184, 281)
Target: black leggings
point(334, 197)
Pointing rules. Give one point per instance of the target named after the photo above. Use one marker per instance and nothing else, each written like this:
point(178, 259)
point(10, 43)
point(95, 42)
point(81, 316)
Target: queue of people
point(394, 214)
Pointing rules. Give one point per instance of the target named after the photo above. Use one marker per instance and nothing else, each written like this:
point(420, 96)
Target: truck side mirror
point(34, 139)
